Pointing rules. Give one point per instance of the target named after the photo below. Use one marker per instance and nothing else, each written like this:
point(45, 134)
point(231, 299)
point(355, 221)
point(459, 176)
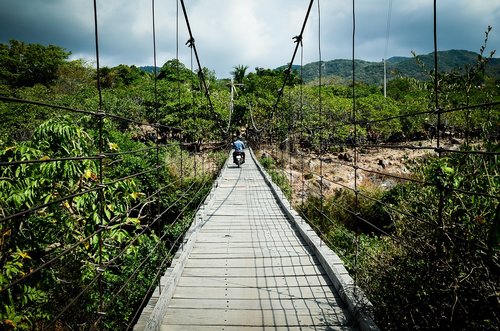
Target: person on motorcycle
point(238, 146)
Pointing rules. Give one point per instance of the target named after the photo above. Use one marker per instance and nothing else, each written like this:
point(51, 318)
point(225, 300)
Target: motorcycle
point(239, 158)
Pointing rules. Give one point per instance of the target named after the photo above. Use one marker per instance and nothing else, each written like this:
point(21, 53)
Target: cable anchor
point(190, 42)
point(298, 39)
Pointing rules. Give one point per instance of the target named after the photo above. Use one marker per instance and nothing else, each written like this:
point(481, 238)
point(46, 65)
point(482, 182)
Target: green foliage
point(335, 218)
point(438, 273)
point(239, 73)
point(128, 74)
point(175, 71)
point(41, 234)
point(29, 64)
point(452, 261)
point(322, 217)
point(441, 265)
point(281, 179)
point(372, 72)
point(267, 162)
point(442, 272)
point(46, 233)
point(375, 107)
point(120, 76)
point(19, 310)
point(278, 176)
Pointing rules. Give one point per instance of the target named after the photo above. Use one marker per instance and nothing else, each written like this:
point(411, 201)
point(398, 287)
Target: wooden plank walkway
point(249, 268)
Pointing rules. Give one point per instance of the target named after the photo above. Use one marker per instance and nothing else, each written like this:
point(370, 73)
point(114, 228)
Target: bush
point(444, 272)
point(437, 270)
point(267, 162)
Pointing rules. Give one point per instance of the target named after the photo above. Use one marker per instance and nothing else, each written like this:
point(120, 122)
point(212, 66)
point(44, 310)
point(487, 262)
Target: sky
point(253, 33)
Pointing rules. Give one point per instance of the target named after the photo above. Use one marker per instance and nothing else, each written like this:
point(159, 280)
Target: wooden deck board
point(259, 317)
point(250, 270)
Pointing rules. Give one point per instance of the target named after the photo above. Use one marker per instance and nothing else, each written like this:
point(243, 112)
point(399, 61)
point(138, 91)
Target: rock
point(326, 184)
point(345, 157)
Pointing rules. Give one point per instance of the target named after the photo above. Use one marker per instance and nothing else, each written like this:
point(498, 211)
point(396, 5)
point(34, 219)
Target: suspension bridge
point(250, 262)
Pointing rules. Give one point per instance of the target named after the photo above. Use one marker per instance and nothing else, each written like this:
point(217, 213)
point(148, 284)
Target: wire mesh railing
point(391, 202)
point(90, 214)
point(59, 253)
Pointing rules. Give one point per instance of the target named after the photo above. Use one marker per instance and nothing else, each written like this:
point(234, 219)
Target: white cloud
point(253, 33)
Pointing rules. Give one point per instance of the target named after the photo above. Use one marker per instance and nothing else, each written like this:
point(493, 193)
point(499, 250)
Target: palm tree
point(239, 73)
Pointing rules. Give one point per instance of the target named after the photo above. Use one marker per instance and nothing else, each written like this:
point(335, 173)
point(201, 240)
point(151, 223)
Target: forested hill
point(150, 69)
point(373, 72)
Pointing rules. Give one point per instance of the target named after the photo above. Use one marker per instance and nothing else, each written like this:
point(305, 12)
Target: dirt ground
point(375, 167)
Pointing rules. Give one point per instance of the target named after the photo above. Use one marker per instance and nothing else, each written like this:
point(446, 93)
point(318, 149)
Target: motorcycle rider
point(238, 146)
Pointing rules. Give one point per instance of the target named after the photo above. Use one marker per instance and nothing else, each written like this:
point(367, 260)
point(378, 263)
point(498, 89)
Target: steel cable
point(111, 299)
point(201, 74)
point(91, 113)
point(103, 267)
point(73, 246)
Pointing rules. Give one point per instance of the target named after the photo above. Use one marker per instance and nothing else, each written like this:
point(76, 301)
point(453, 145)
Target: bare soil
point(382, 167)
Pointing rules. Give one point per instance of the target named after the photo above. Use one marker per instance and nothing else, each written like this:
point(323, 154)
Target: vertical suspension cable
point(96, 37)
point(355, 142)
point(203, 164)
point(157, 126)
point(321, 123)
point(436, 80)
point(154, 61)
point(194, 104)
point(177, 43)
point(388, 29)
point(195, 163)
point(101, 151)
point(193, 96)
point(178, 72)
point(289, 69)
point(438, 111)
point(155, 92)
point(291, 141)
point(282, 140)
point(301, 114)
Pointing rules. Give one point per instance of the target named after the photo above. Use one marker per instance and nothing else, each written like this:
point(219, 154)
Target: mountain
point(396, 59)
point(373, 72)
point(150, 69)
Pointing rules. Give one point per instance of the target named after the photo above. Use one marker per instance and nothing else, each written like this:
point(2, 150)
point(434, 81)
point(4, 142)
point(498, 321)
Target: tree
point(127, 75)
point(239, 73)
point(174, 70)
point(29, 64)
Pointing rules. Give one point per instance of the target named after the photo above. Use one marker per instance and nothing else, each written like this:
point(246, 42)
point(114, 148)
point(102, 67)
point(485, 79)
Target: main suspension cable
point(201, 74)
point(298, 42)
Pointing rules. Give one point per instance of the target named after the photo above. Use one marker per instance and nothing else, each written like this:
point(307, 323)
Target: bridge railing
point(91, 216)
point(372, 197)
